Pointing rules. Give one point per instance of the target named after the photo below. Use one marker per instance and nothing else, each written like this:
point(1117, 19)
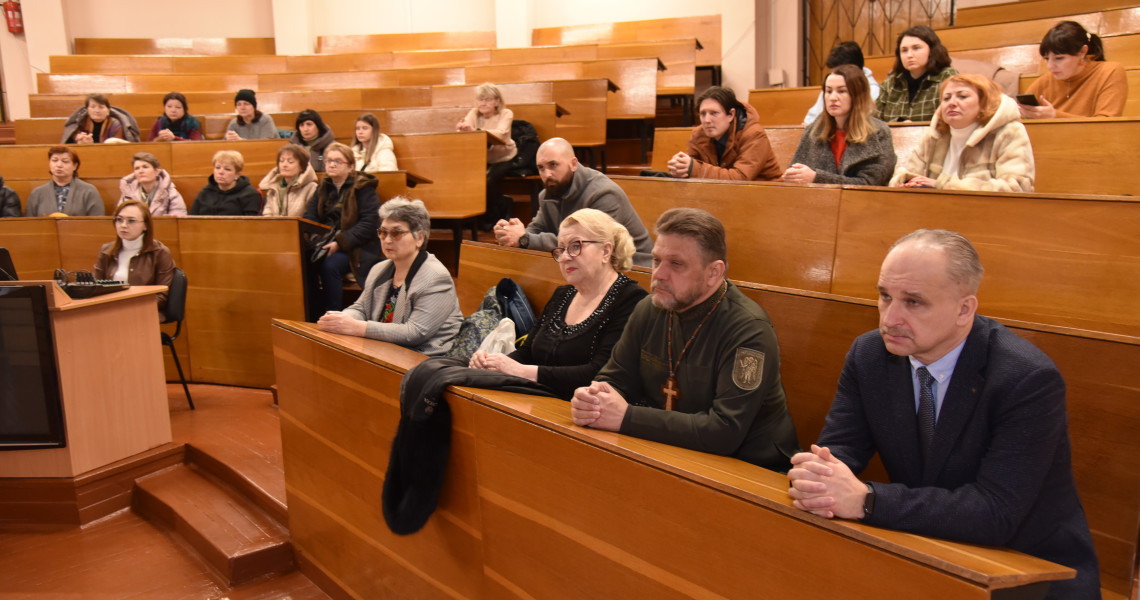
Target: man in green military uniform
point(698, 365)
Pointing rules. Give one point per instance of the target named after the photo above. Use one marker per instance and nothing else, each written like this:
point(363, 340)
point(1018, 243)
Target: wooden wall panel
point(1044, 256)
point(541, 493)
point(1103, 418)
point(33, 245)
point(236, 284)
point(874, 25)
point(339, 417)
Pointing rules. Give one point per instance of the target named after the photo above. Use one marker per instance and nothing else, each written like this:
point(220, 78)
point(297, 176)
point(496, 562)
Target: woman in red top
point(845, 144)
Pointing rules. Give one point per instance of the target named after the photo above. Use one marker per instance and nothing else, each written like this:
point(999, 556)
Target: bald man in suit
point(968, 418)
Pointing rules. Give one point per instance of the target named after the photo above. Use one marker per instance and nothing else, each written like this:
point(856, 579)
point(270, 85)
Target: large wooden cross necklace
point(671, 390)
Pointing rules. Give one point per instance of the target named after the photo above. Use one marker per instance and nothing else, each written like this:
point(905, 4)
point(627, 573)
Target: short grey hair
point(413, 213)
point(963, 265)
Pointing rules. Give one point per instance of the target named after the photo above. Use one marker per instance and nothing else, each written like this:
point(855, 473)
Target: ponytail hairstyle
point(859, 126)
point(374, 123)
point(1068, 37)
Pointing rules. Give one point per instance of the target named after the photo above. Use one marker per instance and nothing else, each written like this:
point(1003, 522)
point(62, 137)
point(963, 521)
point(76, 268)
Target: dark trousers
point(330, 276)
point(495, 207)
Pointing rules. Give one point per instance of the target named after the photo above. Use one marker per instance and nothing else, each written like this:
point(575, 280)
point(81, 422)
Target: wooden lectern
point(108, 356)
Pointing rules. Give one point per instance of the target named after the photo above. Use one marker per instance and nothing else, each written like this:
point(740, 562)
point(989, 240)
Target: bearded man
point(568, 187)
point(698, 365)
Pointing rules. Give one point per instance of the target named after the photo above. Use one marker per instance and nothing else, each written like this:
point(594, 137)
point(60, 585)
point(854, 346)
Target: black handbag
point(319, 250)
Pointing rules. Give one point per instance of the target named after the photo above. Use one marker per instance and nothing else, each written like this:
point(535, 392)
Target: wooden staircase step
point(239, 539)
point(259, 481)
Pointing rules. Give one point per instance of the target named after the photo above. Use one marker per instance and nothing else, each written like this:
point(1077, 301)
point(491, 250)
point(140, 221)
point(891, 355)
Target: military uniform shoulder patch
point(748, 369)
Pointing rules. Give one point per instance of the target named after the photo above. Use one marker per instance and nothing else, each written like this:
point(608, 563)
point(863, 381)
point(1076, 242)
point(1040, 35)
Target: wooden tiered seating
point(633, 81)
point(1016, 11)
point(118, 64)
point(815, 333)
point(584, 102)
point(1059, 169)
point(385, 42)
point(832, 239)
point(150, 104)
point(706, 29)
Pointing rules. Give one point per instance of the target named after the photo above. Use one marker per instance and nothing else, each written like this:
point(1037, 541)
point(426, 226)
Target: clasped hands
point(507, 233)
point(496, 362)
point(823, 485)
point(599, 406)
point(679, 165)
point(335, 321)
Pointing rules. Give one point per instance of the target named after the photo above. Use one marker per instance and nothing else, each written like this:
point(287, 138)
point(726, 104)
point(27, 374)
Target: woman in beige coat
point(975, 142)
point(288, 186)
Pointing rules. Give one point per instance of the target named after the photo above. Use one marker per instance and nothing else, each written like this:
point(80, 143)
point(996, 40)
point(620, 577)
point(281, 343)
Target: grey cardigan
point(426, 317)
point(82, 201)
point(869, 163)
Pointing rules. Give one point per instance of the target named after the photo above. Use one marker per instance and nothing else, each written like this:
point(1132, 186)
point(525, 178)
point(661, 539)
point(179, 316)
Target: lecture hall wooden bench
point(528, 493)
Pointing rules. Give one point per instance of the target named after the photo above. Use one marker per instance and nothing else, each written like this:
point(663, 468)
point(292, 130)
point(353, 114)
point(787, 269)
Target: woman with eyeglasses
point(135, 256)
point(579, 326)
point(565, 349)
point(347, 202)
point(583, 320)
point(408, 299)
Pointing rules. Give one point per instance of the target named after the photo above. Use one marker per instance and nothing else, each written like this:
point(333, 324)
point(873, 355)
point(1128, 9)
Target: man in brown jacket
point(728, 144)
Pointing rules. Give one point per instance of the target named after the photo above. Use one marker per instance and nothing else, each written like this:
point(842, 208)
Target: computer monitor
point(31, 411)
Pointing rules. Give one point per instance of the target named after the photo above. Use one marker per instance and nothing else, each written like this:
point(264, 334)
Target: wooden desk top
point(994, 568)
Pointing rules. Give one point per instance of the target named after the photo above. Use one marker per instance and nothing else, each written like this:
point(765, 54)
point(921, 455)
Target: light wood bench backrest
point(142, 105)
point(456, 164)
point(1007, 12)
point(706, 29)
point(385, 42)
point(1043, 252)
point(678, 56)
point(422, 59)
point(176, 46)
point(109, 64)
point(635, 79)
point(464, 95)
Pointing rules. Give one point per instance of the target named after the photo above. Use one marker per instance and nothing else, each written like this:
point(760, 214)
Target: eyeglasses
point(122, 220)
point(392, 234)
point(572, 249)
point(336, 162)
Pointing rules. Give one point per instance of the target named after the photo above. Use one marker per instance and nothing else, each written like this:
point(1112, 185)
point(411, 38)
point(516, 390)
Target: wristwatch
point(524, 240)
point(869, 501)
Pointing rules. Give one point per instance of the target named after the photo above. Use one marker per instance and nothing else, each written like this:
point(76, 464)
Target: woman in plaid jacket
point(910, 92)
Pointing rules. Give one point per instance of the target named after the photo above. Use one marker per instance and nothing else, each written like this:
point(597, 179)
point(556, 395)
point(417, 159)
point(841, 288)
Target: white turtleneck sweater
point(130, 249)
point(958, 139)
